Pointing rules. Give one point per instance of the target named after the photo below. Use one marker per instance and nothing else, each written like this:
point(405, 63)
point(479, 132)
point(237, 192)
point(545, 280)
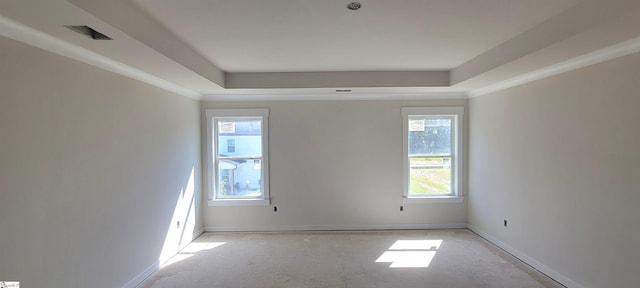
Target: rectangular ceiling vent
point(89, 32)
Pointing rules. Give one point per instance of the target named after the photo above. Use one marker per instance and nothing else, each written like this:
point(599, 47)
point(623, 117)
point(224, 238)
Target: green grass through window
point(425, 179)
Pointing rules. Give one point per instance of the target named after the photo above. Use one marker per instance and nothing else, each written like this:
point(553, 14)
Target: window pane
point(240, 178)
point(429, 136)
point(429, 176)
point(240, 137)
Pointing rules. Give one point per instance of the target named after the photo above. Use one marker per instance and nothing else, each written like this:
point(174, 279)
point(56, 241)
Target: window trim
point(457, 154)
point(210, 153)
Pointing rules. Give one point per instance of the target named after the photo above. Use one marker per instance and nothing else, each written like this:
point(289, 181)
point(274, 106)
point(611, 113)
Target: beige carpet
point(390, 259)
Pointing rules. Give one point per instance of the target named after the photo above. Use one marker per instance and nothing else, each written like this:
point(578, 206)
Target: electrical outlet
point(178, 224)
point(505, 223)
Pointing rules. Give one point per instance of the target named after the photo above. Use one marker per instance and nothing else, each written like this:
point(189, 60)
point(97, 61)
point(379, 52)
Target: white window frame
point(212, 171)
point(457, 113)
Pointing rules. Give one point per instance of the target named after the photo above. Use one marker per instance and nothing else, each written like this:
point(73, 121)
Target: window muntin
point(238, 163)
point(432, 152)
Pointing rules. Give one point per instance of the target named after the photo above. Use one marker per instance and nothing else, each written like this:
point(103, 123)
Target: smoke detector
point(354, 6)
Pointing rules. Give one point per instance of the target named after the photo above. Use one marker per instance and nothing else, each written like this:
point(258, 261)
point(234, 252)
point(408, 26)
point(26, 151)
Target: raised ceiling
point(250, 49)
point(312, 36)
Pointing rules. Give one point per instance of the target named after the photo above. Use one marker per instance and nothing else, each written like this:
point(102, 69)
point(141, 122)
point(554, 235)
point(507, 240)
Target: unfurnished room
point(319, 143)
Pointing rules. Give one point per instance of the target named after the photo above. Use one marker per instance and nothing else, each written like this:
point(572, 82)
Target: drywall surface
point(95, 172)
point(558, 158)
point(334, 165)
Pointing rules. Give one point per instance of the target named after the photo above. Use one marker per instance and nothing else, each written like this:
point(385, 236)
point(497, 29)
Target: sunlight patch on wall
point(182, 225)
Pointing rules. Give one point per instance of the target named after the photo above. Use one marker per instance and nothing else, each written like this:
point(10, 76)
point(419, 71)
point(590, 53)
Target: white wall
point(95, 169)
point(334, 165)
point(560, 159)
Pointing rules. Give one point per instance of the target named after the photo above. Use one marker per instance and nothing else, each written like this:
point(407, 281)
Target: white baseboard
point(197, 233)
point(526, 259)
point(143, 275)
point(332, 227)
point(194, 235)
point(156, 265)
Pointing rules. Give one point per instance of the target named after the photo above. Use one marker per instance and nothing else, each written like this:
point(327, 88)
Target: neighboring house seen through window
point(237, 144)
point(231, 145)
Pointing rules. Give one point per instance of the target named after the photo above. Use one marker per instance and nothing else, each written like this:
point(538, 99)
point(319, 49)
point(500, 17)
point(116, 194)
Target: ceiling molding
point(121, 15)
point(612, 52)
point(33, 37)
point(336, 96)
point(583, 17)
point(337, 79)
point(578, 37)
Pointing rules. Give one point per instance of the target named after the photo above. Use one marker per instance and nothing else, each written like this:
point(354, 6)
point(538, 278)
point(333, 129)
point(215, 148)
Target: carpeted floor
point(393, 259)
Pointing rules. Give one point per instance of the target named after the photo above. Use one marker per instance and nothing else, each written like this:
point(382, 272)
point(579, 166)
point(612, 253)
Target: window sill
point(432, 200)
point(238, 202)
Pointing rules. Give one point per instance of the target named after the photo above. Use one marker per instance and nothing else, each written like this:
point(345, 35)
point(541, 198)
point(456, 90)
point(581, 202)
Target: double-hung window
point(237, 160)
point(432, 152)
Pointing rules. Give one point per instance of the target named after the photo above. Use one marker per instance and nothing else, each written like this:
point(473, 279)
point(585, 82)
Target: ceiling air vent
point(89, 32)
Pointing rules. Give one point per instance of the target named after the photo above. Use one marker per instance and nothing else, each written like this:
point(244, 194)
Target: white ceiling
point(239, 49)
point(312, 35)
